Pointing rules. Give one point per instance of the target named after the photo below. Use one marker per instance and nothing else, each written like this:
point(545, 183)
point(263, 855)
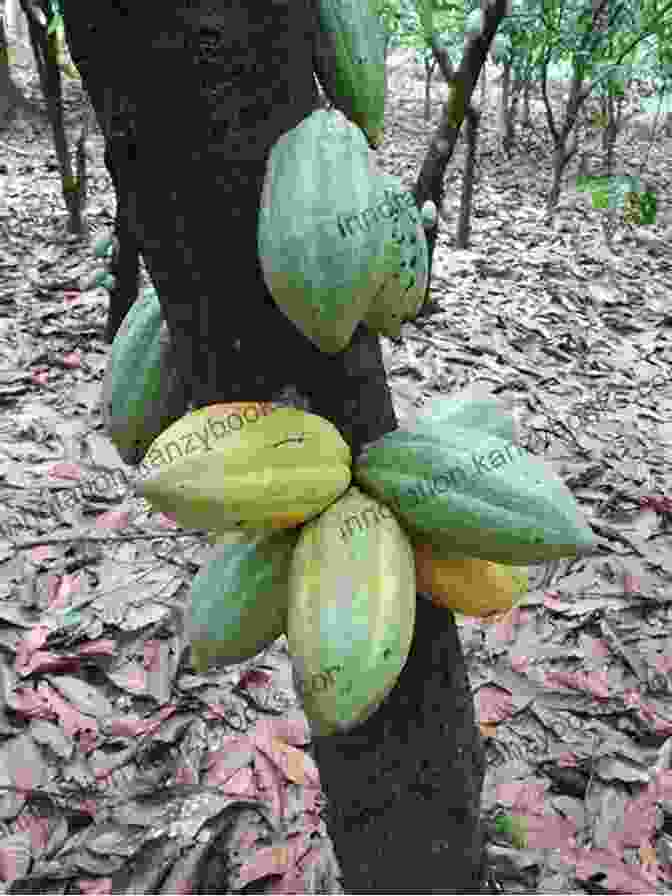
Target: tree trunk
point(208, 88)
point(563, 150)
point(125, 263)
point(115, 122)
point(525, 119)
point(46, 60)
point(504, 118)
point(471, 137)
point(430, 65)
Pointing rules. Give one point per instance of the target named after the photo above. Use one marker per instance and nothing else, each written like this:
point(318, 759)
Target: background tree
point(206, 89)
point(593, 43)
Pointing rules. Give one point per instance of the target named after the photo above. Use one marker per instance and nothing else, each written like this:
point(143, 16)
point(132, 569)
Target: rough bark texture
point(116, 121)
point(125, 263)
point(207, 89)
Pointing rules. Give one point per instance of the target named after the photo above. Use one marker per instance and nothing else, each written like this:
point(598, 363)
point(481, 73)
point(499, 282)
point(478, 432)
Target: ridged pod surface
point(472, 408)
point(406, 262)
point(466, 584)
point(474, 494)
point(238, 600)
point(321, 239)
point(351, 611)
point(275, 474)
point(358, 87)
point(141, 394)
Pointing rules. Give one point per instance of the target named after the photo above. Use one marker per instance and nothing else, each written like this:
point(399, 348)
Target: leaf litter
point(573, 687)
point(123, 771)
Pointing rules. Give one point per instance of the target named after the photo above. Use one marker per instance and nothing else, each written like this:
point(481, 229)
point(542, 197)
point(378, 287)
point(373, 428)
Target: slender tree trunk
point(563, 151)
point(504, 121)
point(44, 49)
point(209, 87)
point(430, 65)
point(463, 227)
point(525, 117)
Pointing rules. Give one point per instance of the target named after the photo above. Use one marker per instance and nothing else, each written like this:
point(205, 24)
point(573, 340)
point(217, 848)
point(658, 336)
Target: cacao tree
point(480, 28)
point(206, 89)
point(43, 28)
point(597, 41)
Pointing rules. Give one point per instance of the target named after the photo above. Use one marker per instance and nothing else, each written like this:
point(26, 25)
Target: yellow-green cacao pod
point(351, 611)
point(273, 474)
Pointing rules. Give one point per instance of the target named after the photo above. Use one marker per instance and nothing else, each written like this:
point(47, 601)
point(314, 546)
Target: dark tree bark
point(125, 263)
point(115, 119)
point(208, 87)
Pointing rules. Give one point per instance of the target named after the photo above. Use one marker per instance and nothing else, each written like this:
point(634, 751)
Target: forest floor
point(113, 750)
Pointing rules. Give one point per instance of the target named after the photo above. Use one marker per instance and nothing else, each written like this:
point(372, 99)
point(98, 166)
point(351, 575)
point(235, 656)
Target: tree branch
point(462, 83)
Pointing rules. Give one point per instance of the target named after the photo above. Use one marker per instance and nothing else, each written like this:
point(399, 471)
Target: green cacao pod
point(286, 468)
point(474, 494)
point(472, 408)
point(405, 262)
point(357, 84)
point(238, 600)
point(351, 611)
point(141, 392)
point(321, 239)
